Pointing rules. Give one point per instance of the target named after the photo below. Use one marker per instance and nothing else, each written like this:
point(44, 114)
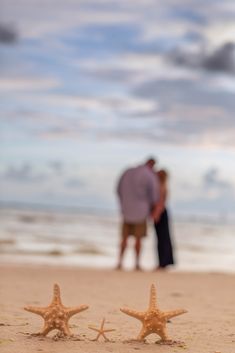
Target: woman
point(161, 224)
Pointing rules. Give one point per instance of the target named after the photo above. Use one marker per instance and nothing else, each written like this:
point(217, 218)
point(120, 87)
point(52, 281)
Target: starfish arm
point(163, 334)
point(35, 310)
point(169, 314)
point(65, 329)
point(143, 333)
point(136, 314)
point(75, 310)
point(105, 337)
point(153, 298)
point(102, 324)
point(98, 336)
point(46, 329)
point(94, 328)
point(56, 295)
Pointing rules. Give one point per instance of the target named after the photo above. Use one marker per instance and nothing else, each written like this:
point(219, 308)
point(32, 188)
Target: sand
point(208, 327)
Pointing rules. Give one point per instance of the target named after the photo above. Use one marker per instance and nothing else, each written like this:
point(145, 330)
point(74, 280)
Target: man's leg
point(123, 245)
point(137, 252)
point(140, 231)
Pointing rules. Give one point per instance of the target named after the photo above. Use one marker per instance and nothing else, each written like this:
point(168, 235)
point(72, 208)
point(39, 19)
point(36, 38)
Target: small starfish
point(101, 331)
point(153, 320)
point(56, 315)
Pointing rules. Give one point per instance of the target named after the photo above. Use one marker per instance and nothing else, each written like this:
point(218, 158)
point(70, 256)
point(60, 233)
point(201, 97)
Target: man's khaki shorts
point(138, 230)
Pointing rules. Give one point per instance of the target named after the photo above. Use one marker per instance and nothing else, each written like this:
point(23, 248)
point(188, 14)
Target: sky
point(91, 87)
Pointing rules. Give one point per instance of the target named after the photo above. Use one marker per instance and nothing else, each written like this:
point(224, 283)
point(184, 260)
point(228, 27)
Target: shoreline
point(208, 297)
point(30, 237)
point(77, 267)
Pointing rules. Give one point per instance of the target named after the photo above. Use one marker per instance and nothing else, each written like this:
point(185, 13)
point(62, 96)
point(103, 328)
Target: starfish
point(101, 331)
point(153, 320)
point(56, 315)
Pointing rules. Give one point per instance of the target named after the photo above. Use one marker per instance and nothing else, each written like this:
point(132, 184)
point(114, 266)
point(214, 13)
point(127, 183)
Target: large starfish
point(153, 320)
point(101, 331)
point(56, 315)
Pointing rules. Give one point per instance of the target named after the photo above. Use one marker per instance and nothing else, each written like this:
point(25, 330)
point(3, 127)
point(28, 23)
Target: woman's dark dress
point(164, 246)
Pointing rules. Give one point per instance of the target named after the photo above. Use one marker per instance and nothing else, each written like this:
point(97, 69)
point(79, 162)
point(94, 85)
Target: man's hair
point(150, 162)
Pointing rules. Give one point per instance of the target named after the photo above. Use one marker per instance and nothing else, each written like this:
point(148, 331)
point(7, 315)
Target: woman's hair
point(162, 175)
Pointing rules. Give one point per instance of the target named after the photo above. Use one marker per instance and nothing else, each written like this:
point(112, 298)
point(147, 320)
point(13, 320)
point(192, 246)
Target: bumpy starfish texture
point(101, 331)
point(153, 320)
point(56, 315)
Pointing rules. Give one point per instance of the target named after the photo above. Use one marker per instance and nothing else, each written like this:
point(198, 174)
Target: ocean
point(91, 239)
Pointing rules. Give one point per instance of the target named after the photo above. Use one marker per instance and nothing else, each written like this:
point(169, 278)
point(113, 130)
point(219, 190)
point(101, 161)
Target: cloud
point(189, 92)
point(74, 183)
point(132, 69)
point(188, 14)
point(214, 194)
point(222, 59)
point(219, 205)
point(120, 105)
point(24, 173)
point(8, 34)
point(194, 111)
point(56, 166)
point(213, 181)
point(57, 17)
point(27, 84)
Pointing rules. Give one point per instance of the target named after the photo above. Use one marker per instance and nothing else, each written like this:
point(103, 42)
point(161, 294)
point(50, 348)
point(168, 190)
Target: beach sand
point(208, 327)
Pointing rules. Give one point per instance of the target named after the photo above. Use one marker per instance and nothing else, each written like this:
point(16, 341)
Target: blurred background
point(89, 88)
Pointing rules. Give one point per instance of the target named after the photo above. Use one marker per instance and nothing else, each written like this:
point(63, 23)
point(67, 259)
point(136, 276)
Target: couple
point(142, 194)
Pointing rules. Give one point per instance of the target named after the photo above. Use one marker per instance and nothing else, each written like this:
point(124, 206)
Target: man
point(138, 192)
